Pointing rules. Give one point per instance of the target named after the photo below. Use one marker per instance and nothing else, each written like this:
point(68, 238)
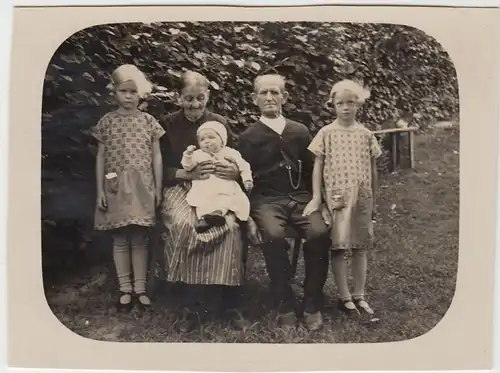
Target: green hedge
point(408, 72)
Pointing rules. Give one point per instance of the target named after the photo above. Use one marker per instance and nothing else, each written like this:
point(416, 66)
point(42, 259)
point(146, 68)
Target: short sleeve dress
point(128, 143)
point(348, 153)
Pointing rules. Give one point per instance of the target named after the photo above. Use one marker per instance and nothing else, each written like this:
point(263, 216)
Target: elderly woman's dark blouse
point(211, 258)
point(179, 134)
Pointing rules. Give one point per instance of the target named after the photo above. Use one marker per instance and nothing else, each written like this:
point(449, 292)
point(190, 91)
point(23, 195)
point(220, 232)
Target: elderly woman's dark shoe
point(238, 319)
point(188, 322)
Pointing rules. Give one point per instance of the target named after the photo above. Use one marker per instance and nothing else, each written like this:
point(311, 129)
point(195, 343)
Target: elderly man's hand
point(253, 232)
point(227, 170)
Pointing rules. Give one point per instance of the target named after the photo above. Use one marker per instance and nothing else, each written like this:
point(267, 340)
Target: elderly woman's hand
point(202, 171)
point(227, 170)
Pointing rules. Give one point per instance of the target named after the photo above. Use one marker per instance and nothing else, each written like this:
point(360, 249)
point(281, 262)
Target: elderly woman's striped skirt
point(211, 258)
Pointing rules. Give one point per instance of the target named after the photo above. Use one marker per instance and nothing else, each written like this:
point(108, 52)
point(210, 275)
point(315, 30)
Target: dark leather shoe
point(189, 321)
point(125, 307)
point(313, 321)
point(363, 306)
point(143, 306)
point(238, 320)
point(348, 306)
point(287, 320)
point(215, 219)
point(201, 226)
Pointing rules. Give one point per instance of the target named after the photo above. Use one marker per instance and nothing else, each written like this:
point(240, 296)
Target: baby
point(214, 197)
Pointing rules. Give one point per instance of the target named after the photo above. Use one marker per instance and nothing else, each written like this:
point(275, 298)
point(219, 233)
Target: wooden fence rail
point(396, 135)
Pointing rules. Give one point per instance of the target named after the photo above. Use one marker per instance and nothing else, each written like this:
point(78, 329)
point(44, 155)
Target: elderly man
point(276, 148)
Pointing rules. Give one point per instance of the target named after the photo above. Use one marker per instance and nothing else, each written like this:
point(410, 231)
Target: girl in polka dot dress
point(129, 179)
point(345, 178)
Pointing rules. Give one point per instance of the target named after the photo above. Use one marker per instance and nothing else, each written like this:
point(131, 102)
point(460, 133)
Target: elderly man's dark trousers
point(272, 216)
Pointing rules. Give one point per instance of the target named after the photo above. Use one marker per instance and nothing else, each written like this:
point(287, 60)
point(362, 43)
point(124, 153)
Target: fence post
point(411, 150)
point(394, 138)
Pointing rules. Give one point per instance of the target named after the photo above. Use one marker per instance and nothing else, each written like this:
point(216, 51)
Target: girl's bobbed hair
point(351, 86)
point(126, 73)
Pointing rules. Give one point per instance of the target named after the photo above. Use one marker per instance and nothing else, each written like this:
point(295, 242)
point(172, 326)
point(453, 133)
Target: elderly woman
point(214, 257)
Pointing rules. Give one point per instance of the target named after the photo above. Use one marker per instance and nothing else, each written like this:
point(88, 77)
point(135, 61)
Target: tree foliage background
point(409, 74)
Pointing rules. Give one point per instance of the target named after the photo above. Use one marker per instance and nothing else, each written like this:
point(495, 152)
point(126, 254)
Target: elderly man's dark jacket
point(270, 155)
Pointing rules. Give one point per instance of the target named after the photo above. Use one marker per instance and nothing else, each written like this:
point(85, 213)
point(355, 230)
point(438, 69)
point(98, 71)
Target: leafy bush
point(409, 75)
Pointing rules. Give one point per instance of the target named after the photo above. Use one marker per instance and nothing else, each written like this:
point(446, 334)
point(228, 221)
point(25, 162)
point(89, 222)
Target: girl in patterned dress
point(345, 178)
point(129, 181)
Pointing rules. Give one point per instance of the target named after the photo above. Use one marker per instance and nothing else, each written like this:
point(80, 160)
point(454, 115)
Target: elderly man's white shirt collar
point(276, 124)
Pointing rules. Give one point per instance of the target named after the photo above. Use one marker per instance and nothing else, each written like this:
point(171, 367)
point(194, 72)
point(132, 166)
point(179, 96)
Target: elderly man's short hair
point(278, 77)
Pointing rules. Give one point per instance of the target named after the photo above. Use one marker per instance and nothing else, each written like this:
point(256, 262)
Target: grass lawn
point(411, 273)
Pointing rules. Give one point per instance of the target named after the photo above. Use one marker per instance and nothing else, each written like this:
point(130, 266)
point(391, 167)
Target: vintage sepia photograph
point(250, 182)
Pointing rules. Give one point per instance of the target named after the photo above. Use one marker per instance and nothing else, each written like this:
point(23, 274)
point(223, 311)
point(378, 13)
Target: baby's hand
point(190, 149)
point(248, 184)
